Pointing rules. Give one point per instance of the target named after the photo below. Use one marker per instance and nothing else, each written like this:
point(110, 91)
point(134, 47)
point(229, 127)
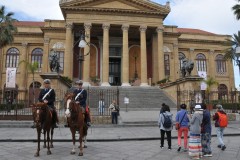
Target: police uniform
point(50, 97)
point(82, 98)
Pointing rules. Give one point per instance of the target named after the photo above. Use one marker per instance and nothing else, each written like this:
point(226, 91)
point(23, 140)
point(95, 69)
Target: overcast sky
point(214, 16)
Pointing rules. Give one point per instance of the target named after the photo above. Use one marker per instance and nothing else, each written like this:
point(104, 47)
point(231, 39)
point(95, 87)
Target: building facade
point(127, 42)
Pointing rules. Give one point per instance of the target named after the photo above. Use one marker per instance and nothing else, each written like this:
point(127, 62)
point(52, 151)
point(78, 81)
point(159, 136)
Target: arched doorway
point(222, 92)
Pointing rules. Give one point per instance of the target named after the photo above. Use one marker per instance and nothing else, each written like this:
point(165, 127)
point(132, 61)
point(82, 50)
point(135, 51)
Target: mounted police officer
point(81, 98)
point(47, 95)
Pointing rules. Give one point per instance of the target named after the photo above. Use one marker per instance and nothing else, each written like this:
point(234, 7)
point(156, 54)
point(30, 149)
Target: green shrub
point(11, 106)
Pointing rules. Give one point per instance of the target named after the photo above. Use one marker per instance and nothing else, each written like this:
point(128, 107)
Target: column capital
point(106, 26)
point(143, 28)
point(211, 51)
point(125, 27)
point(69, 25)
point(24, 44)
point(87, 26)
point(160, 29)
point(191, 49)
point(46, 40)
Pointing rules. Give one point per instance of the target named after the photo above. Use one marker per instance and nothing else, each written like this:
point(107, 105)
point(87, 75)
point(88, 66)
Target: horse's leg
point(81, 140)
point(52, 131)
point(38, 139)
point(48, 141)
point(85, 142)
point(73, 140)
point(44, 133)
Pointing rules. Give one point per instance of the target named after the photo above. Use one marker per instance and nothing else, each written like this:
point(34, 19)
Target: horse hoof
point(84, 146)
point(72, 152)
point(80, 154)
point(51, 146)
point(36, 155)
point(49, 152)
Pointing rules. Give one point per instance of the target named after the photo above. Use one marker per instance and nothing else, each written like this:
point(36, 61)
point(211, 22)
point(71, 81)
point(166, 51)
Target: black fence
point(229, 99)
point(17, 108)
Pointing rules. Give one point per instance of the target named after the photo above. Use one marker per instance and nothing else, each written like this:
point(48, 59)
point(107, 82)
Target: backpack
point(223, 120)
point(167, 121)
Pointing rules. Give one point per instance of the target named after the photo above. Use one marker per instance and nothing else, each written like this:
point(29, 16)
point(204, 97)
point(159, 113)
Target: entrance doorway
point(115, 71)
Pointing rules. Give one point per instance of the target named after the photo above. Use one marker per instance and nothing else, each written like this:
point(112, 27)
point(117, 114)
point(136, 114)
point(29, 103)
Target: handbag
point(177, 125)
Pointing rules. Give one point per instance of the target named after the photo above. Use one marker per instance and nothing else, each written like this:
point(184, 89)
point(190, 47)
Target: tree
point(230, 53)
point(6, 27)
point(32, 67)
point(209, 82)
point(236, 10)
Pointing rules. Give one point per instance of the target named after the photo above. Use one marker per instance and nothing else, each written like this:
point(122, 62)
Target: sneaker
point(161, 147)
point(224, 147)
point(219, 146)
point(208, 155)
point(169, 148)
point(179, 149)
point(185, 150)
point(88, 124)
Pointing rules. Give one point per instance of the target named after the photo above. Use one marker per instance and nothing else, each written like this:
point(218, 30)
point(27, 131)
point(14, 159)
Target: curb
point(108, 140)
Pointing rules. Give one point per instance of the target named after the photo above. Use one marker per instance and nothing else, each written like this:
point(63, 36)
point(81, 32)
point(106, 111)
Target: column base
point(144, 85)
point(105, 84)
point(86, 84)
point(126, 85)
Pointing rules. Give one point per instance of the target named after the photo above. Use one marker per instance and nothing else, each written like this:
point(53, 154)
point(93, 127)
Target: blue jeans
point(220, 135)
point(206, 143)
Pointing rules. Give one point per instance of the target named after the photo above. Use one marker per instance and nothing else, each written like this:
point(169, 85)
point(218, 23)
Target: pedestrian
point(206, 131)
point(101, 106)
point(165, 124)
point(81, 98)
point(114, 112)
point(221, 122)
point(195, 145)
point(183, 120)
point(47, 95)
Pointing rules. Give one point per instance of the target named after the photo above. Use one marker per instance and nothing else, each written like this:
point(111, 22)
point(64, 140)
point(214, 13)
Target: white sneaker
point(207, 155)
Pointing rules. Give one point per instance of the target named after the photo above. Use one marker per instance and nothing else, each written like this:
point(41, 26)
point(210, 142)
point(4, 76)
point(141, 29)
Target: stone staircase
point(144, 98)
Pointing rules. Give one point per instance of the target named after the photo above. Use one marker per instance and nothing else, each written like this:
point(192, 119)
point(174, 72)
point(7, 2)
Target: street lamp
point(82, 43)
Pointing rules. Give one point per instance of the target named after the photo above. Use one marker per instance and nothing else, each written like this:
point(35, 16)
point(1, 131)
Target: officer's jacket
point(82, 97)
point(50, 97)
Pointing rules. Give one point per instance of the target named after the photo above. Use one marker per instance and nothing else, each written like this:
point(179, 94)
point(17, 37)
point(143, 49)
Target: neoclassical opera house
point(127, 44)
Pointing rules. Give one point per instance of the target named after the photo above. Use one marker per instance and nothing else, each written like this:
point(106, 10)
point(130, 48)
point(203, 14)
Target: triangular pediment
point(146, 6)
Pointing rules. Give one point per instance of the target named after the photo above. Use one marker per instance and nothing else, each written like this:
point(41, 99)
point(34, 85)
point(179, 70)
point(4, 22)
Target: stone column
point(192, 58)
point(23, 68)
point(143, 55)
point(160, 55)
point(211, 64)
point(105, 60)
point(68, 55)
point(45, 64)
point(125, 57)
point(86, 62)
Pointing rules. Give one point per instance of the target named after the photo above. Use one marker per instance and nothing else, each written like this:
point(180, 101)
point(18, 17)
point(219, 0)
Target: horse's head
point(69, 103)
point(38, 109)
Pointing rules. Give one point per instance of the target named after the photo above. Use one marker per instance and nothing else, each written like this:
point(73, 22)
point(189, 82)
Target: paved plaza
point(116, 150)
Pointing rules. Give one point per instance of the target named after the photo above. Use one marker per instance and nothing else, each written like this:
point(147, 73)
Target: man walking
point(221, 121)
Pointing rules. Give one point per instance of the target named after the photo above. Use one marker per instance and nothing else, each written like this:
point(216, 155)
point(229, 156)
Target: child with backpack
point(221, 122)
point(165, 124)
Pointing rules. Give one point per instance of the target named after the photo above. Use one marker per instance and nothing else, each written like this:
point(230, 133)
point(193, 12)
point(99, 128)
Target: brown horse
point(42, 116)
point(75, 118)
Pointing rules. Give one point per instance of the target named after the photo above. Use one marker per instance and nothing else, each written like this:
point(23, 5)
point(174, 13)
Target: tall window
point(61, 60)
point(222, 92)
point(37, 57)
point(166, 65)
point(221, 67)
point(201, 62)
point(181, 56)
point(12, 58)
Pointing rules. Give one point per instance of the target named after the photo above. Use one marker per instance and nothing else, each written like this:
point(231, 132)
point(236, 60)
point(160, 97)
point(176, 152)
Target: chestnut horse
point(75, 118)
point(42, 116)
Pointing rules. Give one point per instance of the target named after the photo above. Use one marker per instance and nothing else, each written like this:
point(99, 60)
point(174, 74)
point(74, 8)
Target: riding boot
point(55, 119)
point(87, 119)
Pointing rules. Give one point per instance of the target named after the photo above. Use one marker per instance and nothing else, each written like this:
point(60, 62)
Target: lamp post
point(82, 44)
